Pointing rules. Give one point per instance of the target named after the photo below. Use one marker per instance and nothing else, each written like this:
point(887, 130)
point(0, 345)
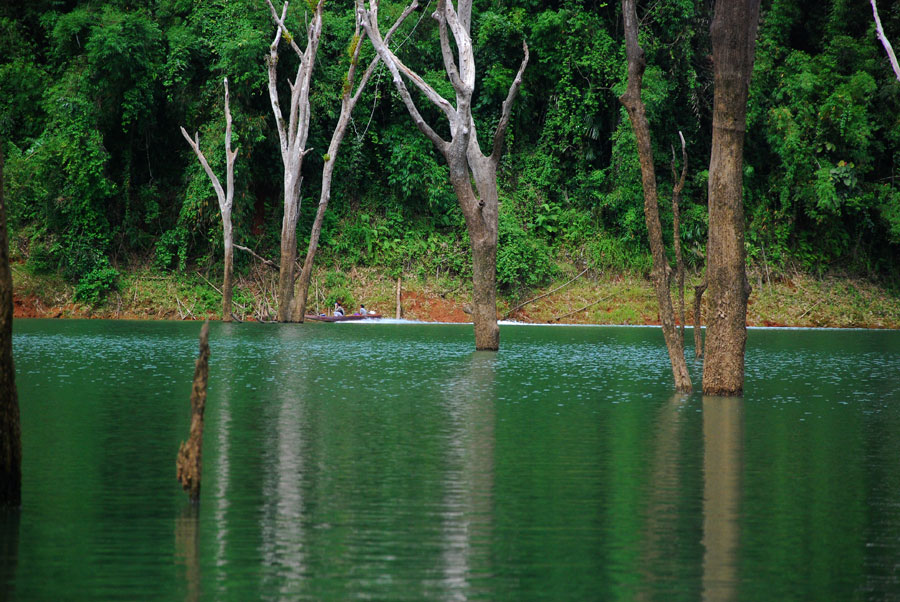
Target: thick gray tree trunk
point(226, 201)
point(292, 135)
point(348, 103)
point(462, 152)
point(733, 35)
point(635, 107)
point(10, 433)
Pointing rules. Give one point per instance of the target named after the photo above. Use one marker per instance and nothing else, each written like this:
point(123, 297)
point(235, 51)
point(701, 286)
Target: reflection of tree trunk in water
point(723, 436)
point(9, 550)
point(661, 510)
point(186, 539)
point(469, 482)
point(223, 467)
point(284, 506)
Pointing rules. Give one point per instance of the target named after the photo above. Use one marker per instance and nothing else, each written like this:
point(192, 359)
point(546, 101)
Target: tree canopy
point(92, 95)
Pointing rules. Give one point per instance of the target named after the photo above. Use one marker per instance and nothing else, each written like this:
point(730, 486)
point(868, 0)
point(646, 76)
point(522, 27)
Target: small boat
point(351, 317)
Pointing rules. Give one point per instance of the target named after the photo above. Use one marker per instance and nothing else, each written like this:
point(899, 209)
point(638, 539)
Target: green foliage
point(523, 260)
point(93, 95)
point(96, 284)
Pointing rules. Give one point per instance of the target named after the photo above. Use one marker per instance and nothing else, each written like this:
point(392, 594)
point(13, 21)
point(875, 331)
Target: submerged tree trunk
point(463, 154)
point(10, 433)
point(226, 202)
point(190, 455)
point(635, 107)
point(733, 35)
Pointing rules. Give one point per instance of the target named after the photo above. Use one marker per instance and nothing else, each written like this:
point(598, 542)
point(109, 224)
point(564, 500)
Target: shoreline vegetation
point(600, 298)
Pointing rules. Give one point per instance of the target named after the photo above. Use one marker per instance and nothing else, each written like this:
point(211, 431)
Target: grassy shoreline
point(594, 298)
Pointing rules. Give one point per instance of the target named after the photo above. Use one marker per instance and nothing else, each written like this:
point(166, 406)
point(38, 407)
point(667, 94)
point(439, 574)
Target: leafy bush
point(96, 284)
point(523, 260)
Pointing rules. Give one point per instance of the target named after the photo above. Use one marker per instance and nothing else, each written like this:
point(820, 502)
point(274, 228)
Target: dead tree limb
point(521, 305)
point(349, 100)
point(226, 201)
point(268, 262)
point(190, 454)
point(884, 41)
point(292, 136)
point(580, 309)
point(676, 226)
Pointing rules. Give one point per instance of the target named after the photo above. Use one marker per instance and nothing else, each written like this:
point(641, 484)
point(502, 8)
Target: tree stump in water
point(190, 453)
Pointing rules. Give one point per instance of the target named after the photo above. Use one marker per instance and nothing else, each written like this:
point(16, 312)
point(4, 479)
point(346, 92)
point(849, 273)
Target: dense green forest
point(98, 176)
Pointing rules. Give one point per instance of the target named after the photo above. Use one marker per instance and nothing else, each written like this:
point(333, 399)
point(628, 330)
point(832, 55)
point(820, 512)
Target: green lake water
point(393, 462)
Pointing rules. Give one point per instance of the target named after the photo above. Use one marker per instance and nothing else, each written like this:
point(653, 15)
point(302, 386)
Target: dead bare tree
point(631, 99)
point(462, 152)
point(733, 35)
point(884, 41)
point(292, 135)
point(10, 430)
point(226, 201)
point(349, 98)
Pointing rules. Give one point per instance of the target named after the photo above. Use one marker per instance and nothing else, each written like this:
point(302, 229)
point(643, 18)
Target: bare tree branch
point(446, 52)
point(884, 41)
point(500, 132)
point(395, 66)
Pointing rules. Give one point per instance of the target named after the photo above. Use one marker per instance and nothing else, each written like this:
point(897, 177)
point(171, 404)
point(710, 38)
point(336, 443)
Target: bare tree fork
point(733, 36)
point(467, 164)
point(547, 294)
point(10, 429)
point(190, 455)
point(226, 201)
point(580, 309)
point(676, 226)
point(292, 135)
point(631, 99)
point(698, 335)
point(884, 41)
point(349, 99)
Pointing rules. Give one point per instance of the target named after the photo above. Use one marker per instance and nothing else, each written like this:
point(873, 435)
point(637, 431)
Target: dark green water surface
point(392, 462)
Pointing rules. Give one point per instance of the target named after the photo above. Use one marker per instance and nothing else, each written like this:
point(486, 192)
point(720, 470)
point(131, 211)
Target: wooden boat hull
point(349, 318)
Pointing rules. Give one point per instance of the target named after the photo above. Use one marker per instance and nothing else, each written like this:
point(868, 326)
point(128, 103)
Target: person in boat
point(362, 310)
point(338, 310)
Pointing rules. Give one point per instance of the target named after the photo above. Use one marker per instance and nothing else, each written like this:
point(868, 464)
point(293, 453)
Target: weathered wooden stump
point(189, 463)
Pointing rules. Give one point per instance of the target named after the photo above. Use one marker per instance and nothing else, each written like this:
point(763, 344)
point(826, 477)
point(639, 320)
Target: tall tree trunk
point(635, 107)
point(228, 279)
point(10, 433)
point(481, 213)
point(733, 35)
